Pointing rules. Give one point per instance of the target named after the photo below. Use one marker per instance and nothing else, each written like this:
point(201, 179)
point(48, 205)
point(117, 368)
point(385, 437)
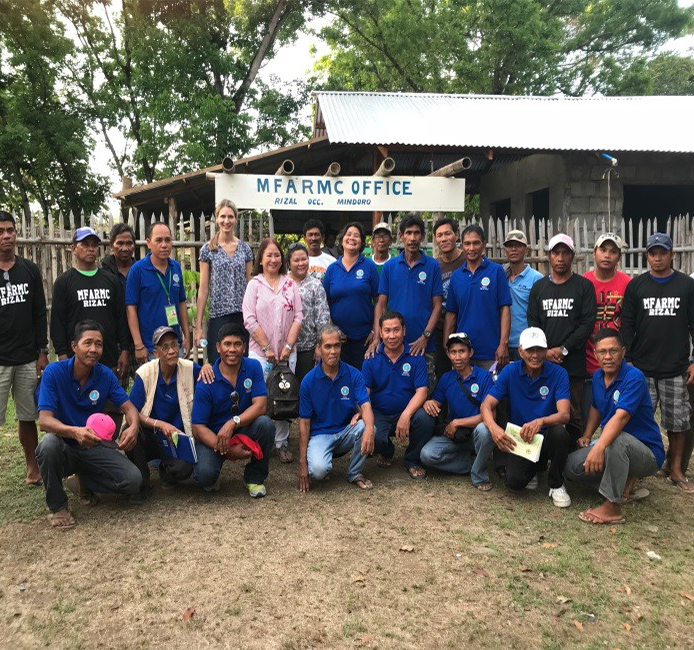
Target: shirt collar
point(381, 350)
point(71, 369)
point(218, 373)
point(543, 373)
point(360, 259)
point(341, 370)
point(421, 260)
point(623, 370)
point(150, 265)
point(483, 264)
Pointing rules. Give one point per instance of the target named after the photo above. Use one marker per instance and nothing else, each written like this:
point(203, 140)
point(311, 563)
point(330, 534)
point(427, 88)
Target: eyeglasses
point(609, 352)
point(166, 347)
point(234, 397)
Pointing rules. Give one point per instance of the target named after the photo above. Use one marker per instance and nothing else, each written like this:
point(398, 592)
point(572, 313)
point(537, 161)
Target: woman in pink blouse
point(272, 315)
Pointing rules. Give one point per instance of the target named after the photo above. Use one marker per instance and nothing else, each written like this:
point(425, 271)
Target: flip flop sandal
point(382, 461)
point(285, 455)
point(682, 484)
point(636, 495)
point(85, 498)
point(414, 474)
point(362, 483)
point(485, 486)
point(38, 483)
point(63, 522)
point(591, 517)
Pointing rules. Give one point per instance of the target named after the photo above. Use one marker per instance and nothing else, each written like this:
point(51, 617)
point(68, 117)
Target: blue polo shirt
point(476, 298)
point(393, 384)
point(331, 403)
point(351, 296)
point(146, 288)
point(531, 398)
point(448, 391)
point(520, 294)
point(72, 404)
point(629, 391)
point(410, 291)
point(212, 402)
point(165, 406)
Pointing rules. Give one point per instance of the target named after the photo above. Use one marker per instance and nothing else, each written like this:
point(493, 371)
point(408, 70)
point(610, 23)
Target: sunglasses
point(234, 397)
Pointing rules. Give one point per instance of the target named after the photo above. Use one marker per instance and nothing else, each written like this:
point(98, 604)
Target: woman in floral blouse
point(272, 314)
point(314, 305)
point(225, 268)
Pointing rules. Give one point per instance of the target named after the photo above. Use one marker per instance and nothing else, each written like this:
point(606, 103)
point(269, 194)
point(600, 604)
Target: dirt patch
point(326, 569)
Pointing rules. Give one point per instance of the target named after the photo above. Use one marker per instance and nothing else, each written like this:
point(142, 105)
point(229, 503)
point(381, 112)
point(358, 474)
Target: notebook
point(183, 446)
point(529, 450)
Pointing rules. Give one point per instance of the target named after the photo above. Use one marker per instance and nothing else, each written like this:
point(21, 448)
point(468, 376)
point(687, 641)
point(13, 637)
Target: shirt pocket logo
point(422, 277)
point(544, 391)
point(615, 397)
point(247, 383)
point(94, 396)
point(475, 388)
point(344, 391)
point(360, 274)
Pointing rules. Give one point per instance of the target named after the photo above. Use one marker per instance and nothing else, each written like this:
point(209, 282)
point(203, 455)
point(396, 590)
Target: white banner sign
point(366, 193)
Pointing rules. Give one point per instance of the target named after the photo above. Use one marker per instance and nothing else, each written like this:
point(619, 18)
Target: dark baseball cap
point(659, 239)
point(161, 331)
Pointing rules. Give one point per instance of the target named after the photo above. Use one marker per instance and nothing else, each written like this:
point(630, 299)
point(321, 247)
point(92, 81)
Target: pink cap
point(102, 425)
point(561, 239)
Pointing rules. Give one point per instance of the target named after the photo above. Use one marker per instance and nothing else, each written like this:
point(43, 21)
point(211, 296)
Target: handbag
point(282, 393)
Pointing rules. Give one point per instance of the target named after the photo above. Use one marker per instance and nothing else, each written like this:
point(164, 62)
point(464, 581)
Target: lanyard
point(163, 286)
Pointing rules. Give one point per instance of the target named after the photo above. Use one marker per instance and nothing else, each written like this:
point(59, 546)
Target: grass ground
point(327, 569)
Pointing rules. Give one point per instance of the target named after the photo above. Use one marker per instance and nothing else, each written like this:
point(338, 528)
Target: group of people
point(466, 361)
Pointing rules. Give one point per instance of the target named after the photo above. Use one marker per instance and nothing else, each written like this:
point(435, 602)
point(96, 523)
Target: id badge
point(171, 315)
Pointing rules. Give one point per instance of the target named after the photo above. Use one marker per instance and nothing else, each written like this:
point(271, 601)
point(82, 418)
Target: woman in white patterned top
point(314, 304)
point(225, 268)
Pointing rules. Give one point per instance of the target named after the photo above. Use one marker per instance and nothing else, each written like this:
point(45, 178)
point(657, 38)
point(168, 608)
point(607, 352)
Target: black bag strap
point(468, 394)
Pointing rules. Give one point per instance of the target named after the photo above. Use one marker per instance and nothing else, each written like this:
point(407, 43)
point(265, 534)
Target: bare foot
point(606, 513)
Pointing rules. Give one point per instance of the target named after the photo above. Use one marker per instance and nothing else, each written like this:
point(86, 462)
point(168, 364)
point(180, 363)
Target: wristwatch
point(564, 351)
point(289, 347)
point(427, 334)
point(236, 420)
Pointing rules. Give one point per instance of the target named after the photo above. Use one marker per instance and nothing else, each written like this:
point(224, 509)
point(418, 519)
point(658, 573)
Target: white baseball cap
point(382, 225)
point(610, 236)
point(532, 337)
point(561, 238)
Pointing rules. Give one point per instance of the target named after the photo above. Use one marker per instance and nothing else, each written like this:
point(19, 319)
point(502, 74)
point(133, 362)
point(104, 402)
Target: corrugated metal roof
point(510, 122)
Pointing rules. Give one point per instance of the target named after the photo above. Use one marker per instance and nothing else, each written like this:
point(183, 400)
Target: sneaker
point(532, 484)
point(213, 488)
point(256, 490)
point(560, 497)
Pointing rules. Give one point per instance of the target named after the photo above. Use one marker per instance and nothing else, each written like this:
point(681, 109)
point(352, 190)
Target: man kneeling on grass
point(539, 401)
point(234, 403)
point(466, 444)
point(71, 391)
point(335, 416)
point(397, 382)
point(621, 402)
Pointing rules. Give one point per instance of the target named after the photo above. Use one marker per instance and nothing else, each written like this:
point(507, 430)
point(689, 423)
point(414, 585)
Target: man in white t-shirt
point(318, 262)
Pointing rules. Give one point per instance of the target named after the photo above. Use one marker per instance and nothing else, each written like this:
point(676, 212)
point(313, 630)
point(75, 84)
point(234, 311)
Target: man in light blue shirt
point(521, 278)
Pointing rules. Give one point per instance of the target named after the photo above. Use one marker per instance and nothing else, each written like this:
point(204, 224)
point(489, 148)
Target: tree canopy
point(573, 47)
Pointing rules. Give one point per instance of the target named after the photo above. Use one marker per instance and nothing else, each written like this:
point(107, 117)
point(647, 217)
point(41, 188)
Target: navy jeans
point(209, 465)
point(421, 430)
point(353, 352)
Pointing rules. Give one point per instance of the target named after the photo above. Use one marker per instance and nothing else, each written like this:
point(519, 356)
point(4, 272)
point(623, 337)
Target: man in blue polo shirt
point(613, 462)
point(539, 397)
point(397, 382)
point(155, 295)
point(411, 284)
point(521, 278)
point(163, 394)
point(479, 302)
point(234, 403)
point(71, 391)
point(335, 416)
point(465, 444)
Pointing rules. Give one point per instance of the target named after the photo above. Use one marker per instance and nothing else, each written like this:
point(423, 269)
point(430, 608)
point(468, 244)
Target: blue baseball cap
point(82, 233)
point(659, 239)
